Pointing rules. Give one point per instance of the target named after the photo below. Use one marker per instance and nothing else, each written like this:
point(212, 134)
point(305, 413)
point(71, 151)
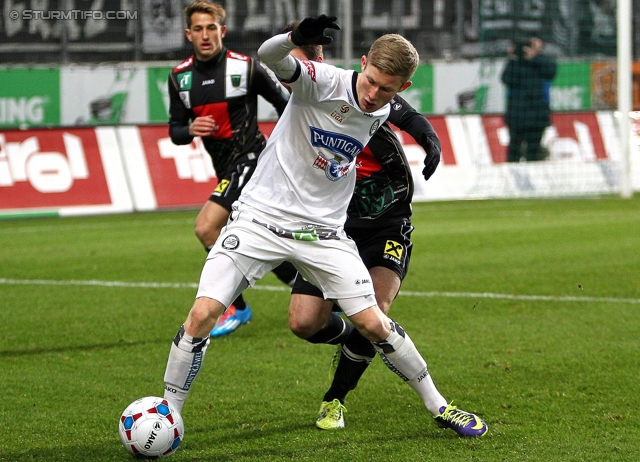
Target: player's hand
point(311, 30)
point(202, 126)
point(432, 160)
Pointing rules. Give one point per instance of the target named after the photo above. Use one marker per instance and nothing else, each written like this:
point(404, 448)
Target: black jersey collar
point(354, 81)
point(209, 63)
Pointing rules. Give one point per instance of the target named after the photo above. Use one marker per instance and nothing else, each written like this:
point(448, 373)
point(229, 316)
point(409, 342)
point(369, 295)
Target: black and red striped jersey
point(226, 87)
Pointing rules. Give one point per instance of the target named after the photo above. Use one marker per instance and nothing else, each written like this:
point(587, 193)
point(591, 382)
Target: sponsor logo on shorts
point(307, 234)
point(393, 251)
point(231, 242)
point(363, 281)
point(222, 187)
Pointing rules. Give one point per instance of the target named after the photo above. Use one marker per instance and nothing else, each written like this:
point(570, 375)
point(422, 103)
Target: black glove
point(311, 31)
point(432, 160)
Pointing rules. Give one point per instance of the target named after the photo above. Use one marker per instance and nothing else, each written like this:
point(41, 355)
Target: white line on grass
point(171, 285)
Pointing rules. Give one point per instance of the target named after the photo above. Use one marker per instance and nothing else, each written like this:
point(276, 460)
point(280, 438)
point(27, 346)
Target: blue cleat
point(231, 320)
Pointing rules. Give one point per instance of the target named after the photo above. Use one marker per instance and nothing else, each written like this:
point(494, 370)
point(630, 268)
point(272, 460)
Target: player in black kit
point(214, 95)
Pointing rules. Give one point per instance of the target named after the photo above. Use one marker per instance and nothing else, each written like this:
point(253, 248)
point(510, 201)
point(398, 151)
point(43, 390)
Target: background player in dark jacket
point(379, 221)
point(214, 95)
point(528, 77)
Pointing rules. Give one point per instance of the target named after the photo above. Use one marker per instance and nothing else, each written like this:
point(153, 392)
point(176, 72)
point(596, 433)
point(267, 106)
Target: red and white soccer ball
point(151, 428)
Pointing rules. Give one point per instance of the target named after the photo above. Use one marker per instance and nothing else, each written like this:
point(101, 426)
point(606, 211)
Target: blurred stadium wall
point(86, 63)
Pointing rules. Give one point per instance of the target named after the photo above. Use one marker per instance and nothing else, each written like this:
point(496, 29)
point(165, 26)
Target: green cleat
point(463, 423)
point(331, 415)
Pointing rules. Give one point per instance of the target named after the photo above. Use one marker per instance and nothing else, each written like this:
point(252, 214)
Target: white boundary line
point(170, 285)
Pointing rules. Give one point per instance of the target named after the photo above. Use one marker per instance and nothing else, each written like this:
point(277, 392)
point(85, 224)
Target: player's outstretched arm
point(406, 118)
point(274, 53)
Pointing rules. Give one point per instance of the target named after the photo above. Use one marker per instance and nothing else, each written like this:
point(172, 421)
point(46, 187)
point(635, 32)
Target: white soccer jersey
point(307, 169)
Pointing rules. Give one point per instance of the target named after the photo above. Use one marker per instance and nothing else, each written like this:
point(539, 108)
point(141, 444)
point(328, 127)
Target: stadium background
point(66, 67)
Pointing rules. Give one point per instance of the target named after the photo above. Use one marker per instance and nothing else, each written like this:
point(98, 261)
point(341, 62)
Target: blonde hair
point(202, 6)
point(393, 54)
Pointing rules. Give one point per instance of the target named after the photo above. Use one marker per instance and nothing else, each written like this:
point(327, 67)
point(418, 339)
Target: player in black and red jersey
point(379, 221)
point(214, 95)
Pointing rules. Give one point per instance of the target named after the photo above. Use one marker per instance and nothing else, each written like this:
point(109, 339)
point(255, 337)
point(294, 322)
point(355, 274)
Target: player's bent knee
point(304, 327)
point(372, 324)
point(205, 311)
point(299, 330)
point(373, 335)
point(207, 234)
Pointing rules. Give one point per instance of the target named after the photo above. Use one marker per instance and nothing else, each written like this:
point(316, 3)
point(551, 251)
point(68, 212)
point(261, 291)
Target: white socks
point(185, 360)
point(401, 356)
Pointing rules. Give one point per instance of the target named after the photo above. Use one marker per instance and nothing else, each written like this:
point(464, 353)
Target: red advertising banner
point(88, 170)
point(574, 136)
point(181, 176)
point(439, 124)
point(54, 168)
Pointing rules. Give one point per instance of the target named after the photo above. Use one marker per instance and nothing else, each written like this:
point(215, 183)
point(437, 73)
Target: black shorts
point(388, 246)
point(234, 179)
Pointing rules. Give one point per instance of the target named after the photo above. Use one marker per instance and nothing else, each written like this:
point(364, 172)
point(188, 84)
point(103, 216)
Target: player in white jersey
point(294, 206)
point(322, 127)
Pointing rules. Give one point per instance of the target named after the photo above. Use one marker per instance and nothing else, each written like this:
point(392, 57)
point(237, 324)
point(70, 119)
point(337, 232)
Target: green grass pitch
point(527, 312)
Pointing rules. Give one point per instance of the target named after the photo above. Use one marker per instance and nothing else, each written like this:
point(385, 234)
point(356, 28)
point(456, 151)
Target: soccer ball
point(151, 428)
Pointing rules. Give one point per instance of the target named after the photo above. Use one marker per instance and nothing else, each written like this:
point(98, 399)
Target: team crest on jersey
point(231, 242)
point(184, 80)
point(393, 251)
point(184, 96)
point(236, 79)
point(333, 169)
point(374, 127)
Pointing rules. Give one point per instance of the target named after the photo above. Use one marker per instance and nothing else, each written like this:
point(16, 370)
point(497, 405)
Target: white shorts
point(257, 243)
